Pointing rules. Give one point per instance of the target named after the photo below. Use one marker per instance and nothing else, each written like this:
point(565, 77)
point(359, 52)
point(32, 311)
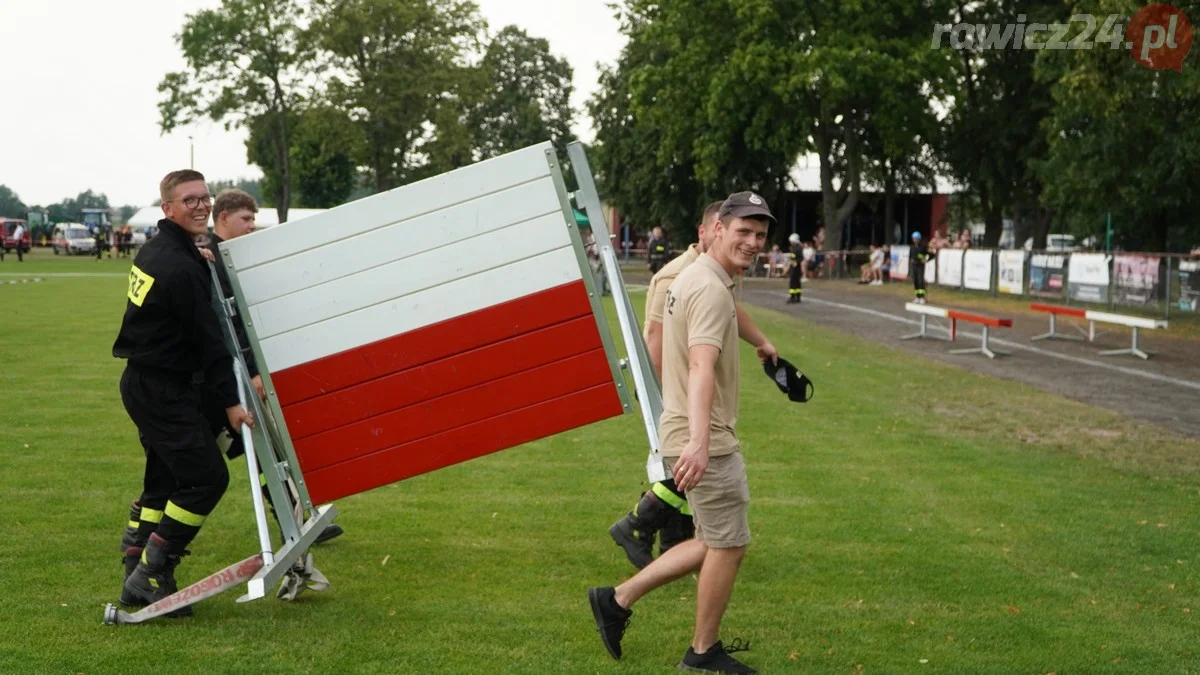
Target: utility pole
point(191, 154)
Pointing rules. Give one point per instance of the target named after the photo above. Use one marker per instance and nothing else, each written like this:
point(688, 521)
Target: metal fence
point(1154, 283)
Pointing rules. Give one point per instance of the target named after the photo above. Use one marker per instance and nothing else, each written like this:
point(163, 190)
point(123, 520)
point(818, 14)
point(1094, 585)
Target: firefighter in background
point(659, 249)
point(917, 258)
point(795, 273)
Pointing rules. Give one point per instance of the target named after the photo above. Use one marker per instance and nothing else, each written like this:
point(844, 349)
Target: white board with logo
point(1011, 277)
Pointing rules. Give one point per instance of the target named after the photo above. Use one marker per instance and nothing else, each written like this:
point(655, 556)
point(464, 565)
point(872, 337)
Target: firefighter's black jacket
point(169, 322)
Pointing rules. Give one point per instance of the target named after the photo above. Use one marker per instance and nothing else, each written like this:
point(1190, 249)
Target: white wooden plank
point(401, 315)
point(926, 309)
point(407, 239)
point(364, 215)
point(414, 274)
point(1121, 319)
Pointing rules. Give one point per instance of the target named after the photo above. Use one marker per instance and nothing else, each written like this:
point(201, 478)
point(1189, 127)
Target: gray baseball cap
point(745, 205)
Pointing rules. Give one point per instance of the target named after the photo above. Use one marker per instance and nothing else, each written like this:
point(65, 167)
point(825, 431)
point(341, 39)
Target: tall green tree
point(11, 205)
point(391, 60)
point(994, 139)
point(247, 64)
point(323, 157)
point(1123, 140)
point(622, 155)
point(528, 94)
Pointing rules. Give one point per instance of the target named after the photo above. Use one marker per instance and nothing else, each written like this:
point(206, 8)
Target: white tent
point(150, 215)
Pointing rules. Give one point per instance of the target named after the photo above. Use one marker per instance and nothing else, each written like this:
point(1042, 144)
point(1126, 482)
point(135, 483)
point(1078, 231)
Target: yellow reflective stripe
point(151, 515)
point(174, 512)
point(133, 524)
point(669, 498)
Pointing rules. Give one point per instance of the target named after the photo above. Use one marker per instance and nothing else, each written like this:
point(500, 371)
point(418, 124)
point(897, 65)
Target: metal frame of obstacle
point(638, 360)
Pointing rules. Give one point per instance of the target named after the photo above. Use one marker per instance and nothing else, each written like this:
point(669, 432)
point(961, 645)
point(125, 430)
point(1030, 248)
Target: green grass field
point(912, 518)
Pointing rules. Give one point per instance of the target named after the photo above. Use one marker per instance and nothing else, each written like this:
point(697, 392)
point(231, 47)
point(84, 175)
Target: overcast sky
point(79, 81)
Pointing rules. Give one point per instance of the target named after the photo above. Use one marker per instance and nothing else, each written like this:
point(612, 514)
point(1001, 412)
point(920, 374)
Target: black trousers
point(794, 281)
point(918, 275)
point(185, 475)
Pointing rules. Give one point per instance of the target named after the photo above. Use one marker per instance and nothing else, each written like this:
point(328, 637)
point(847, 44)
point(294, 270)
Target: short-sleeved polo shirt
point(700, 310)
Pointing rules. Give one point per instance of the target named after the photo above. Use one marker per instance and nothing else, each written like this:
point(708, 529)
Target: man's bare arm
point(702, 389)
point(749, 332)
point(654, 338)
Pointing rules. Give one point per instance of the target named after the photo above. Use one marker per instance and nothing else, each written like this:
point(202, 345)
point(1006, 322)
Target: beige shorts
point(720, 502)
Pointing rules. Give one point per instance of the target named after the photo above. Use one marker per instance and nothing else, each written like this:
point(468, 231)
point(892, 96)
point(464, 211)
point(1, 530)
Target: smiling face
point(738, 242)
point(189, 207)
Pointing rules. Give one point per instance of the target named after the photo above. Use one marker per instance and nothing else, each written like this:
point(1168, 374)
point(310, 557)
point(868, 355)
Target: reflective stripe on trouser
point(185, 472)
point(668, 497)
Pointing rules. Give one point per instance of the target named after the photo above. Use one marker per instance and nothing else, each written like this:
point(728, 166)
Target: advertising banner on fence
point(1087, 277)
point(950, 267)
point(977, 270)
point(1136, 280)
point(1046, 273)
point(931, 273)
point(899, 268)
point(1012, 272)
point(1189, 286)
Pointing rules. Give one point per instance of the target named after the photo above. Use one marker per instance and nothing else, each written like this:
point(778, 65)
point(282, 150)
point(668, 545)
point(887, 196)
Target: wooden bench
point(1134, 322)
point(988, 323)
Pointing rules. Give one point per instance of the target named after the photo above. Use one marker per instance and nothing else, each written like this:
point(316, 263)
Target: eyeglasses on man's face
point(193, 202)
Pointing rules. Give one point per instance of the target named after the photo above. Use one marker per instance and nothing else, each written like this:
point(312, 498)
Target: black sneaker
point(611, 618)
point(717, 659)
point(332, 531)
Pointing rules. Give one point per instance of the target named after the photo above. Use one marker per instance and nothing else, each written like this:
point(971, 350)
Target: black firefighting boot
point(154, 577)
point(679, 528)
point(635, 532)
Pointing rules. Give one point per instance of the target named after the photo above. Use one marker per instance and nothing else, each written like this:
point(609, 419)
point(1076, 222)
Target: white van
point(1056, 242)
point(72, 238)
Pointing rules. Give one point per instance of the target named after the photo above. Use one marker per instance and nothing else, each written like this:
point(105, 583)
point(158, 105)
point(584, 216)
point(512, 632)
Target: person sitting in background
point(808, 261)
point(876, 262)
point(866, 276)
point(775, 262)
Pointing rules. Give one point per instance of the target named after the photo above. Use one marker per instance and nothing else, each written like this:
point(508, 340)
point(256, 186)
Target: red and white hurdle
point(1135, 322)
point(987, 322)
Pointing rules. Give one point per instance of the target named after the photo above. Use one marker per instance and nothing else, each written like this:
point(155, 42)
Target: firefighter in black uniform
point(918, 256)
point(795, 273)
point(659, 250)
point(171, 338)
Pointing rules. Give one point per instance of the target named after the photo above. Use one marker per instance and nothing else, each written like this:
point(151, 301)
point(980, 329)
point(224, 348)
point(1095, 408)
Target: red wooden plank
point(464, 443)
point(429, 343)
point(445, 376)
point(979, 318)
point(485, 400)
point(1055, 309)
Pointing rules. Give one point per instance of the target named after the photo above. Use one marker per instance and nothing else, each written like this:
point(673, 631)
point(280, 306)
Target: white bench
point(1134, 322)
point(925, 311)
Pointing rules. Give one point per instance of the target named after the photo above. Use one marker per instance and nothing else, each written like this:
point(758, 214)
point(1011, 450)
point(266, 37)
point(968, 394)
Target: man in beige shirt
point(700, 370)
point(663, 510)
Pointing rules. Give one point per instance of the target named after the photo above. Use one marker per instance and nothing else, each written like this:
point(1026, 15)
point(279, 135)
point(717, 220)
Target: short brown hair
point(233, 199)
point(174, 180)
point(710, 211)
